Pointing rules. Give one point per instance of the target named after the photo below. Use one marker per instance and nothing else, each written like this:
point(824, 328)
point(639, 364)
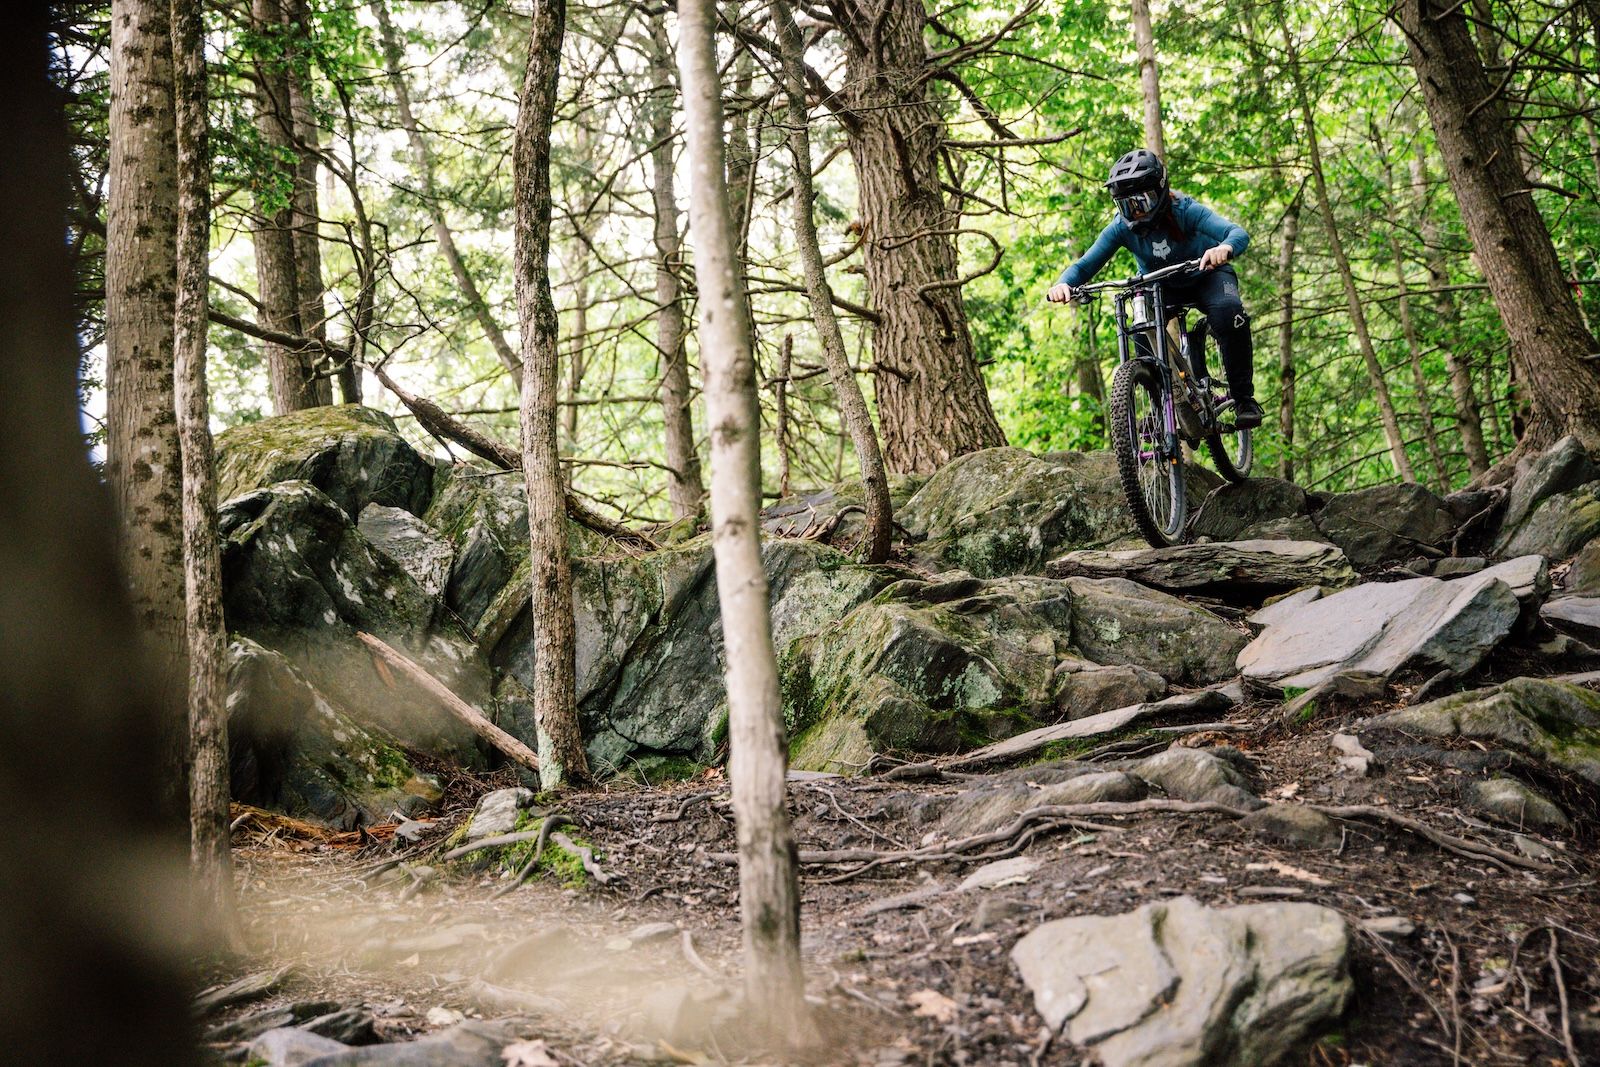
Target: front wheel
point(1233, 453)
point(1151, 472)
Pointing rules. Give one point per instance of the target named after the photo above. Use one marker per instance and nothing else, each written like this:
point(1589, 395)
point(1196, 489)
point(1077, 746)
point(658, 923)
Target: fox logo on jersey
point(1161, 249)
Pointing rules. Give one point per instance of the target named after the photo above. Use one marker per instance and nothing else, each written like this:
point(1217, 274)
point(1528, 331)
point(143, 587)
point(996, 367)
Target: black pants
point(1216, 294)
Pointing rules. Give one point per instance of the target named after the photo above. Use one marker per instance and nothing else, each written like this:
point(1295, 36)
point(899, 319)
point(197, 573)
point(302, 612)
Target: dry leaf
point(528, 1054)
point(934, 1005)
point(443, 1017)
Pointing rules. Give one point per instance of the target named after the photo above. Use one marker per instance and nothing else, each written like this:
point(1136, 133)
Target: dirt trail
point(909, 968)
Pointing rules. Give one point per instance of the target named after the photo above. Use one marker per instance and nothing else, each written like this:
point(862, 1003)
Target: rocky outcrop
point(1561, 468)
point(1236, 571)
point(1178, 984)
point(1386, 524)
point(292, 750)
point(1553, 724)
point(1380, 629)
point(354, 455)
point(930, 667)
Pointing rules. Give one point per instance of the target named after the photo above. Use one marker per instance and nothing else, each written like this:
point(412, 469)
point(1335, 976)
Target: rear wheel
point(1150, 472)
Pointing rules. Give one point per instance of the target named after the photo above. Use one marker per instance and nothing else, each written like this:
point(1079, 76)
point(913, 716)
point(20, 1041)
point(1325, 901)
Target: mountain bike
point(1161, 398)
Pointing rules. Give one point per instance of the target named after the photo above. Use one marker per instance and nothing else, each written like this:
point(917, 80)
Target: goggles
point(1138, 205)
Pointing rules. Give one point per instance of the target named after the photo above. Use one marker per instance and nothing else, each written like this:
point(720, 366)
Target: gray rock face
point(410, 542)
point(474, 1043)
point(1239, 511)
point(1553, 723)
point(1516, 804)
point(1575, 615)
point(1382, 628)
point(1084, 688)
point(1195, 774)
point(292, 750)
point(354, 455)
point(299, 577)
point(1177, 984)
point(290, 1046)
point(1294, 826)
point(1005, 511)
point(934, 667)
point(1562, 467)
point(1237, 571)
point(1559, 526)
point(1583, 577)
point(1386, 523)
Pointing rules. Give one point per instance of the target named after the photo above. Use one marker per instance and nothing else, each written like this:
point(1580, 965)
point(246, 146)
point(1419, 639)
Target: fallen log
point(474, 719)
point(439, 422)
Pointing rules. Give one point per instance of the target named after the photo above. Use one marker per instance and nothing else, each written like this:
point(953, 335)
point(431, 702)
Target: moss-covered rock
point(1553, 723)
point(291, 749)
point(1386, 524)
point(941, 666)
point(1559, 526)
point(299, 577)
point(1006, 511)
point(352, 454)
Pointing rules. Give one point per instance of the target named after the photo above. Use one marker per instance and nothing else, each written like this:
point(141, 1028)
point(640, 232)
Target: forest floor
point(906, 968)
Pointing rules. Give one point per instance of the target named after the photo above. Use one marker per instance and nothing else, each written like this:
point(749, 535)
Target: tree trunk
point(561, 757)
point(89, 945)
point(780, 418)
point(1286, 368)
point(743, 141)
point(1358, 317)
point(1550, 348)
point(769, 892)
point(305, 216)
point(685, 489)
point(422, 160)
point(277, 272)
point(852, 405)
point(143, 464)
point(1149, 77)
point(932, 404)
point(1408, 330)
point(209, 848)
point(1469, 420)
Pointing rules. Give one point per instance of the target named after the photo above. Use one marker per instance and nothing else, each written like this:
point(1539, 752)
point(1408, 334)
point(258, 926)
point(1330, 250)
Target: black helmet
point(1138, 183)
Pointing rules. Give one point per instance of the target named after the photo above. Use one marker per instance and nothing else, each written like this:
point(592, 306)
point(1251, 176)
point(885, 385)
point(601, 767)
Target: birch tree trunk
point(1550, 348)
point(93, 974)
point(143, 460)
point(852, 405)
point(209, 849)
point(1149, 77)
point(562, 760)
point(1358, 316)
point(1286, 367)
point(769, 897)
point(685, 488)
point(422, 161)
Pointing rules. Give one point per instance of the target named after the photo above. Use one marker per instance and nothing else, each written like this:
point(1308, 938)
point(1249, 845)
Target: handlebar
point(1082, 293)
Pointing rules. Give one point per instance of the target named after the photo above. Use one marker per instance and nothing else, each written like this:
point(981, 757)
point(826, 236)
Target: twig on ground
point(586, 857)
point(1561, 992)
point(1459, 845)
point(686, 943)
point(546, 828)
point(497, 841)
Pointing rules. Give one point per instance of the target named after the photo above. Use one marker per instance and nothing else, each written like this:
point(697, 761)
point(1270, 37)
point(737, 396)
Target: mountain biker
point(1161, 228)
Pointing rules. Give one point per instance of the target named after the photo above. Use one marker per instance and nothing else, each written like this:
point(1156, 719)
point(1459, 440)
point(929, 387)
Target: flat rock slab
point(1234, 570)
point(1382, 628)
point(1174, 982)
point(1575, 615)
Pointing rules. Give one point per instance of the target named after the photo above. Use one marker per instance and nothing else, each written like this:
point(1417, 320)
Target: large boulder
point(1237, 571)
point(1558, 526)
point(946, 665)
point(1178, 984)
point(649, 640)
point(1556, 725)
point(410, 542)
point(299, 577)
point(1386, 524)
point(1559, 469)
point(1380, 629)
point(1005, 511)
point(292, 750)
point(354, 455)
point(1237, 511)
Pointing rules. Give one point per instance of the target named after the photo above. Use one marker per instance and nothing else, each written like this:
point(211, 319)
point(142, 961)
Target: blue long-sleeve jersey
point(1156, 247)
